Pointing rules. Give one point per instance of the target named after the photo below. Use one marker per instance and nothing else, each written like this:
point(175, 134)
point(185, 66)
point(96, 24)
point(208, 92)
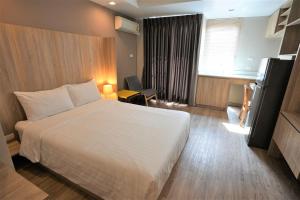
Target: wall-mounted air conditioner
point(125, 25)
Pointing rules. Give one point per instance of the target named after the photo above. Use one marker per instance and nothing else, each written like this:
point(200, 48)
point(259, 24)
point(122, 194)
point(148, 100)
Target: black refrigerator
point(269, 90)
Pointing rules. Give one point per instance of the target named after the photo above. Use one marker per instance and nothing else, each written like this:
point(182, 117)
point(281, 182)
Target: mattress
point(113, 149)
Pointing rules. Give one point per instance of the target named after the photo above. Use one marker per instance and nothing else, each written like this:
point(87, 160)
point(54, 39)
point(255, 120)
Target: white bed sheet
point(20, 127)
point(115, 150)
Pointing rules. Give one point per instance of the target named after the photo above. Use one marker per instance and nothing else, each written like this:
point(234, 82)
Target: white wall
point(140, 52)
point(253, 45)
point(5, 157)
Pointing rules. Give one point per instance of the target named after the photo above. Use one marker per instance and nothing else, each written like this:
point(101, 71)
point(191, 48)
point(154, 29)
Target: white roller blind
point(220, 45)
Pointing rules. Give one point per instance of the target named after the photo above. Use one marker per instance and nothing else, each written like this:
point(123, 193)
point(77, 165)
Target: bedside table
point(127, 95)
point(112, 96)
point(14, 147)
point(13, 144)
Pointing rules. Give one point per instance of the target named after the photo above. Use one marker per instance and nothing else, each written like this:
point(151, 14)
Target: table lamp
point(108, 92)
point(107, 89)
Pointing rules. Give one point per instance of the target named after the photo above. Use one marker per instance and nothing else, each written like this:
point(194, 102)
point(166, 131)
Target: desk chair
point(246, 103)
point(135, 85)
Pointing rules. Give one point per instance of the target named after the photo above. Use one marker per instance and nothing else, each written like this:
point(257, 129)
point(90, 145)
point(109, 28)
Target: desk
point(14, 186)
point(213, 91)
point(112, 96)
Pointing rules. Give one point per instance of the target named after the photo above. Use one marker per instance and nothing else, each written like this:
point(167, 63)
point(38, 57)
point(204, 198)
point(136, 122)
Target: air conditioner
point(125, 25)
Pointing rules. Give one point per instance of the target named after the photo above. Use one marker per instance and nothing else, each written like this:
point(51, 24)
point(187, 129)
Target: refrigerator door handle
point(262, 86)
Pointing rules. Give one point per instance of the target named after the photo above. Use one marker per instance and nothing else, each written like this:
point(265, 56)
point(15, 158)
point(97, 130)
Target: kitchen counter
point(230, 76)
point(213, 90)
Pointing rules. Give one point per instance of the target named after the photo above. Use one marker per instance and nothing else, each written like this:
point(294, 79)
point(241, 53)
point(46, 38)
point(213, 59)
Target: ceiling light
point(112, 3)
point(231, 10)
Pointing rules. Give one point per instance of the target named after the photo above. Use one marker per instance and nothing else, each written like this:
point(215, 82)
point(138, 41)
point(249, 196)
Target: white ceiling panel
point(210, 8)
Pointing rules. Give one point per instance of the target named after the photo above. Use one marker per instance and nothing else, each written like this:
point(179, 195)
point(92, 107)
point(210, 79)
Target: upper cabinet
point(294, 16)
point(278, 21)
point(291, 38)
point(285, 24)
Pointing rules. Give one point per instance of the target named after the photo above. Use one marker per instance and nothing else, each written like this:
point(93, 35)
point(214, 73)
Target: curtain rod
point(176, 15)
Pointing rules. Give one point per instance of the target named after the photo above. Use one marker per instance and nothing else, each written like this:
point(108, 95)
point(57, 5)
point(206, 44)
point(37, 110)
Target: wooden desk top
point(14, 186)
point(243, 77)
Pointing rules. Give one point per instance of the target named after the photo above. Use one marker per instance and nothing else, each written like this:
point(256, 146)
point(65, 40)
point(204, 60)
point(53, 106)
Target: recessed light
point(112, 3)
point(231, 10)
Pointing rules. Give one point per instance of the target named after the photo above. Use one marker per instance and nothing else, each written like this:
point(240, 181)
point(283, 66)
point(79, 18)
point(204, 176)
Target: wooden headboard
point(34, 59)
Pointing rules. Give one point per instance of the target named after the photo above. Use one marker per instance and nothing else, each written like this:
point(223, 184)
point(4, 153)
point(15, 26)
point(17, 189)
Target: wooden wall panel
point(291, 102)
point(34, 59)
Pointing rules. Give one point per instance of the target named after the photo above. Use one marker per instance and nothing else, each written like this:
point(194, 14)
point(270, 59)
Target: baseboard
point(210, 107)
point(234, 104)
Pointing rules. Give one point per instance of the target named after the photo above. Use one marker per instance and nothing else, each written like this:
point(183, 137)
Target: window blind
point(220, 45)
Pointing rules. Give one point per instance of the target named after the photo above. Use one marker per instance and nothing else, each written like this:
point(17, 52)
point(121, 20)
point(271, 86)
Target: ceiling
point(210, 8)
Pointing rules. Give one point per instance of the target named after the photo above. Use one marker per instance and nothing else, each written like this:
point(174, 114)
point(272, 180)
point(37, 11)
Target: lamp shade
point(107, 89)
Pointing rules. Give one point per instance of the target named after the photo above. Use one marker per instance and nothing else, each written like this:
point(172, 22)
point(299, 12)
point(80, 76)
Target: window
point(220, 45)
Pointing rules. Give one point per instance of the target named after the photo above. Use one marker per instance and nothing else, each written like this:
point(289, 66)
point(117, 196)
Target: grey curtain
point(171, 54)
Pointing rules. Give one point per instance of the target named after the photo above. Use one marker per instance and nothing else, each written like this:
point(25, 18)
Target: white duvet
point(114, 150)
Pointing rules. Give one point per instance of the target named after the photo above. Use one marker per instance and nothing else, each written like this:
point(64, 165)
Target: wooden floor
point(215, 164)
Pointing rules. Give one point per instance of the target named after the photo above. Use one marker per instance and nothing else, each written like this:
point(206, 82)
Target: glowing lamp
point(107, 89)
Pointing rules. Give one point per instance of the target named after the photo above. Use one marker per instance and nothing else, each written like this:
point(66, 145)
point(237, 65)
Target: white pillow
point(41, 104)
point(84, 93)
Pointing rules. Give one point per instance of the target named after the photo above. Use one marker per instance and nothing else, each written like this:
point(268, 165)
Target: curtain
point(171, 54)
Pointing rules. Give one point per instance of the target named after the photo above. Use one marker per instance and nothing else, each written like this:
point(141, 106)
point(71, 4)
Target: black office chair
point(135, 85)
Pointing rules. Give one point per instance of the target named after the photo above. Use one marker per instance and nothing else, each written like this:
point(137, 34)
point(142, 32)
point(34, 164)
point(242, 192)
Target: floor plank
point(215, 164)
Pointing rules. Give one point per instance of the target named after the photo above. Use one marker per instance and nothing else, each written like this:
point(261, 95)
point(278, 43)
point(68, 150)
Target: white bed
point(114, 150)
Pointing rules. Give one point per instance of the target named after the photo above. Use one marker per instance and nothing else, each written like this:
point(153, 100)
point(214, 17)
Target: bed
point(114, 150)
